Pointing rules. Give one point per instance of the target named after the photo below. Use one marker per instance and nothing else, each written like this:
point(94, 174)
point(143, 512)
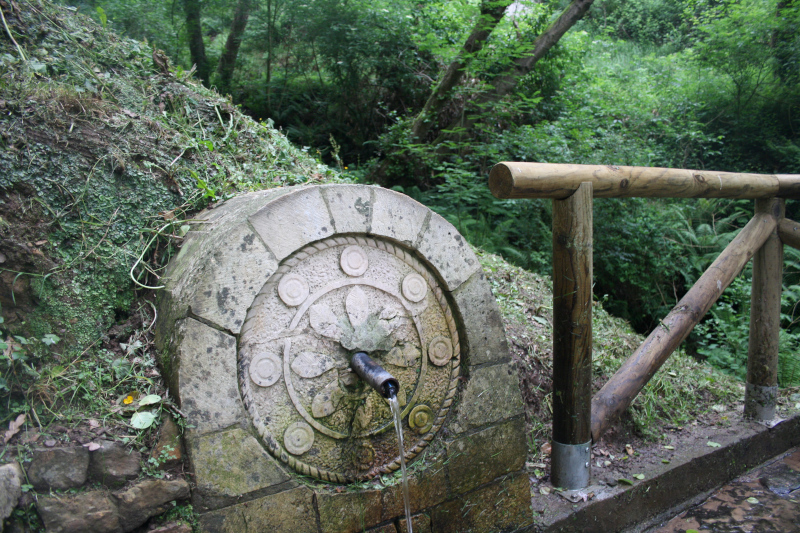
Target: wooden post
point(572, 339)
point(789, 232)
point(618, 393)
point(765, 316)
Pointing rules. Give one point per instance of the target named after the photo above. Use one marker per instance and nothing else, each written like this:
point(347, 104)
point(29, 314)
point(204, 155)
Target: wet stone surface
point(766, 500)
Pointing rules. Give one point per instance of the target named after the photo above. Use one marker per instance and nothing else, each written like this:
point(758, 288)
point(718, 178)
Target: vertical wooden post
point(572, 339)
point(765, 315)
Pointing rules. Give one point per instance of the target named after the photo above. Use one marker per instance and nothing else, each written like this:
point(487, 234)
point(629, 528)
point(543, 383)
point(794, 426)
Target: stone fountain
point(269, 298)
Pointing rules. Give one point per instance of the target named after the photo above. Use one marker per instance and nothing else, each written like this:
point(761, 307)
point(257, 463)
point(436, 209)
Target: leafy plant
point(152, 467)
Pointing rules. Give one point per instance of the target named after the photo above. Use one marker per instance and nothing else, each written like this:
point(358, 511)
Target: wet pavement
point(765, 500)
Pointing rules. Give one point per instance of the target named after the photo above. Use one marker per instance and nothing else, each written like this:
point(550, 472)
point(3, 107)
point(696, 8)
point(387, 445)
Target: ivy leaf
point(142, 420)
point(149, 400)
point(50, 339)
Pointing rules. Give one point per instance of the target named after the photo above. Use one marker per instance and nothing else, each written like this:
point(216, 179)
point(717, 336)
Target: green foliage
point(644, 21)
point(93, 217)
point(180, 512)
point(723, 338)
point(152, 467)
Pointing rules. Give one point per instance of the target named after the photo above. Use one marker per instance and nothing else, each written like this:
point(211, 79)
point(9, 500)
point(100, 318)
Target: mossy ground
point(106, 152)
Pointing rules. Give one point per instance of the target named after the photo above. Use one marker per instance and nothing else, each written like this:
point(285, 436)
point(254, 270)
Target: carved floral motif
point(345, 295)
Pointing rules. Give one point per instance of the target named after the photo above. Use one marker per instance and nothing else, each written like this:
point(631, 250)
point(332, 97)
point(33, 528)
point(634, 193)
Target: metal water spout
point(374, 375)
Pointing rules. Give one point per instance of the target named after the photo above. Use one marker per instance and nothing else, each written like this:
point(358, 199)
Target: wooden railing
point(577, 420)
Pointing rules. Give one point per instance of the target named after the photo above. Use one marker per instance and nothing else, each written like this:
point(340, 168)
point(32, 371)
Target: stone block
point(10, 489)
point(206, 380)
point(499, 507)
point(228, 465)
point(481, 457)
point(58, 468)
point(348, 512)
point(173, 527)
point(350, 206)
point(227, 281)
point(420, 523)
point(114, 464)
point(448, 252)
point(484, 334)
point(211, 273)
point(397, 216)
point(86, 512)
point(385, 528)
point(291, 510)
point(425, 489)
point(492, 394)
point(292, 221)
point(147, 498)
point(168, 450)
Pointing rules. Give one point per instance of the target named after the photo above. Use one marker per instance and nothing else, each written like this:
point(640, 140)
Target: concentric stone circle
point(265, 369)
point(320, 315)
point(293, 289)
point(414, 287)
point(440, 351)
point(421, 419)
point(298, 438)
point(354, 261)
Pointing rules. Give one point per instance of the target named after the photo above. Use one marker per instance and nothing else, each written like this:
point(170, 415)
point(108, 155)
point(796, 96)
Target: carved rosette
point(324, 303)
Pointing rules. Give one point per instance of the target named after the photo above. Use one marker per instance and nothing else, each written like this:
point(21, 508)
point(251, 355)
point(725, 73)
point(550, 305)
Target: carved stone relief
point(324, 303)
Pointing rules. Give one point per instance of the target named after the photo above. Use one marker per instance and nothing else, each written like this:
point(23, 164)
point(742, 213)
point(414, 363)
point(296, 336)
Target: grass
point(104, 159)
point(683, 390)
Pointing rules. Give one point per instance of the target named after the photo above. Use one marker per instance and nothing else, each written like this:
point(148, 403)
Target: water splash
point(395, 405)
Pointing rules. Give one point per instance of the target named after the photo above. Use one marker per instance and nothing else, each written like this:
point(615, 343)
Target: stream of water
point(395, 405)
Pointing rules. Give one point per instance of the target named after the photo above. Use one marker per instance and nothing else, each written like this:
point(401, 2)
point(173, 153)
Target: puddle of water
point(395, 405)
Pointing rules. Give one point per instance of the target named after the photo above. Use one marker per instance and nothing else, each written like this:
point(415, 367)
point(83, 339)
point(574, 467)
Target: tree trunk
point(491, 13)
point(506, 82)
point(227, 61)
point(197, 48)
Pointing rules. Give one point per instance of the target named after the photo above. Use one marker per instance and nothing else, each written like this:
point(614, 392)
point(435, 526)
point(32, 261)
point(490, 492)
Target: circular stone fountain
point(325, 302)
point(271, 295)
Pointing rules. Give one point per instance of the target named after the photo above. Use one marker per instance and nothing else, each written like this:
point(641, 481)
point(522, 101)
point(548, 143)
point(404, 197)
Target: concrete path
point(765, 500)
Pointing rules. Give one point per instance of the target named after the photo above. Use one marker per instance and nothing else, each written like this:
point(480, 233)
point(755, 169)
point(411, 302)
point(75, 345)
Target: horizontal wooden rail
point(618, 393)
point(544, 180)
point(789, 232)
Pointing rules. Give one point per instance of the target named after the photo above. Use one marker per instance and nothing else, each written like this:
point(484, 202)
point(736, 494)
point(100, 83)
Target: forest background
point(425, 96)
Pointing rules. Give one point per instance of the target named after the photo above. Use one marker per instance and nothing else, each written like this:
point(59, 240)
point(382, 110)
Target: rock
point(168, 451)
point(480, 457)
point(87, 512)
point(477, 409)
point(206, 379)
point(10, 489)
point(291, 510)
point(173, 527)
point(234, 464)
point(113, 464)
point(348, 512)
point(148, 498)
point(58, 468)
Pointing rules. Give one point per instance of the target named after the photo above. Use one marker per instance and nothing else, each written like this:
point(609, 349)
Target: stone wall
point(77, 489)
point(219, 318)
